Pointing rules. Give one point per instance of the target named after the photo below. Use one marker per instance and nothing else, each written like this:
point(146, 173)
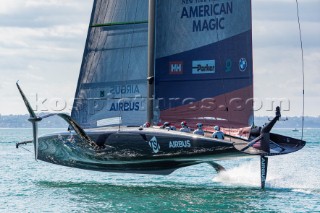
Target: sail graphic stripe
point(119, 23)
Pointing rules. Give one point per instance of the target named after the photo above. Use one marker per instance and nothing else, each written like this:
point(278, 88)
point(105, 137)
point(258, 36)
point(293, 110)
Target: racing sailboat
point(162, 61)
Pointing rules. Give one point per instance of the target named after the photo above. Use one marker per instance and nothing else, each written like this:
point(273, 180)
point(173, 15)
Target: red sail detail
point(232, 110)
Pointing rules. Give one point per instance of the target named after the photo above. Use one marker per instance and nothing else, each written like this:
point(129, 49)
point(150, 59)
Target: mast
point(151, 57)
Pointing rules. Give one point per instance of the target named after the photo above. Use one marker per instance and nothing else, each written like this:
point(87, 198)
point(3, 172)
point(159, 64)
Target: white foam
point(283, 172)
point(247, 174)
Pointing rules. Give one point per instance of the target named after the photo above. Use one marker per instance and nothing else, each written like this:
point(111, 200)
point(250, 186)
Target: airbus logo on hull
point(180, 144)
point(176, 68)
point(204, 67)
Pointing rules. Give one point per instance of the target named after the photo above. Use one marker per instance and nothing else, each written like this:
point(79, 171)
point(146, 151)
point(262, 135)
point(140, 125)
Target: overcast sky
point(42, 41)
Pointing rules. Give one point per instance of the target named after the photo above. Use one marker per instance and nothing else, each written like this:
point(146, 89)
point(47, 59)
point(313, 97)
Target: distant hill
point(292, 122)
point(21, 121)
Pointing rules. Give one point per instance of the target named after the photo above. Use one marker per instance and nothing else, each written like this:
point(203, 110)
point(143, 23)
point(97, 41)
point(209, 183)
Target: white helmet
point(183, 123)
point(217, 128)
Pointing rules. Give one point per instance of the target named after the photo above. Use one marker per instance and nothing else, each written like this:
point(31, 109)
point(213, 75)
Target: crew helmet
point(199, 125)
point(166, 124)
point(147, 124)
point(217, 128)
point(183, 123)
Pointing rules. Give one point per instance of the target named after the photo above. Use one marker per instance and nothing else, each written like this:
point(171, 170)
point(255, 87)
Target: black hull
point(147, 151)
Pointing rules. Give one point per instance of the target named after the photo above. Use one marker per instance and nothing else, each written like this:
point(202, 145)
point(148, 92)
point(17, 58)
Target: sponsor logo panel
point(121, 91)
point(176, 68)
point(126, 106)
point(243, 64)
point(228, 65)
point(125, 89)
point(203, 67)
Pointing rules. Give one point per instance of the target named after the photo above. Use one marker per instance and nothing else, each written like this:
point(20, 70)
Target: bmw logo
point(243, 64)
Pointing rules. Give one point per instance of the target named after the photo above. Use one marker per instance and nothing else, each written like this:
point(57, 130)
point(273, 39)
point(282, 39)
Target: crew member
point(199, 130)
point(167, 126)
point(218, 134)
point(184, 127)
point(146, 125)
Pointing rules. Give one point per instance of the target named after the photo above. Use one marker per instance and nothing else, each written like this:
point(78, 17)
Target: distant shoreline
point(21, 121)
point(288, 128)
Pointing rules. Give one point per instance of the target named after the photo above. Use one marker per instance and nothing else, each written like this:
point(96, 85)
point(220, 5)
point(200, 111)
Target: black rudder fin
point(263, 170)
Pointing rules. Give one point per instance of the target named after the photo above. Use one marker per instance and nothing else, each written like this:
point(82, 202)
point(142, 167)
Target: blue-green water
point(29, 186)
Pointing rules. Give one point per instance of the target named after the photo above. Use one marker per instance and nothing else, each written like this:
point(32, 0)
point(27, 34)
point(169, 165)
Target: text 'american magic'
point(213, 11)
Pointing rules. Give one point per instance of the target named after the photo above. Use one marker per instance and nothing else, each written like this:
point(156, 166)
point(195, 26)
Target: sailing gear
point(168, 126)
point(173, 128)
point(218, 134)
point(184, 128)
point(146, 125)
point(199, 131)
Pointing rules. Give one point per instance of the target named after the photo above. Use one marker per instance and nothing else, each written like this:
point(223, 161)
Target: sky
point(42, 43)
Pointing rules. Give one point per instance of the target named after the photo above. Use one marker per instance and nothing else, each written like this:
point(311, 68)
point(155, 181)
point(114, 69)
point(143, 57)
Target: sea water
point(293, 184)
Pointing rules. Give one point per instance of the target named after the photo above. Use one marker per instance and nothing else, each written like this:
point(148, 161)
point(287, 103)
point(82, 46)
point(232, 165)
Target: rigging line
point(25, 149)
point(303, 68)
